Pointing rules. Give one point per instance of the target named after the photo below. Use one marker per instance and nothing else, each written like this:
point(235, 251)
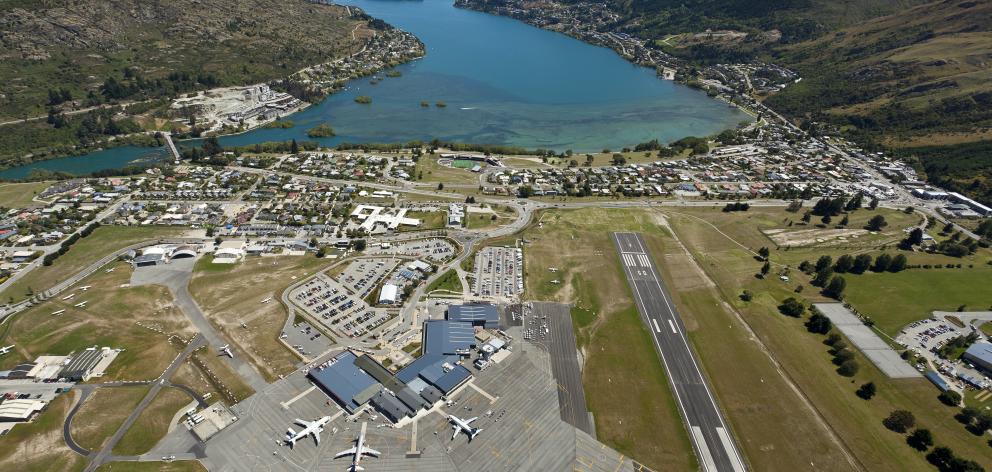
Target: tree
point(941, 457)
point(818, 324)
point(950, 398)
point(866, 391)
point(848, 368)
point(854, 203)
point(525, 191)
point(900, 421)
point(763, 252)
point(948, 228)
point(835, 289)
point(822, 277)
point(876, 223)
point(440, 186)
point(747, 295)
point(921, 439)
point(915, 237)
point(898, 263)
point(806, 266)
point(823, 262)
point(873, 204)
point(861, 263)
point(294, 147)
point(882, 263)
point(212, 147)
point(792, 307)
point(807, 216)
point(844, 264)
point(359, 245)
point(765, 268)
point(845, 220)
point(826, 219)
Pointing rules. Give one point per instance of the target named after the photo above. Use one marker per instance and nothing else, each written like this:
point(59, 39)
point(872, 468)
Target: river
point(503, 81)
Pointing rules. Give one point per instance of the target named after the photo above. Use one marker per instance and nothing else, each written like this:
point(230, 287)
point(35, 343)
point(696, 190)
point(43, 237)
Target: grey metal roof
point(343, 380)
point(390, 406)
point(981, 352)
point(81, 364)
point(453, 379)
point(431, 394)
point(477, 313)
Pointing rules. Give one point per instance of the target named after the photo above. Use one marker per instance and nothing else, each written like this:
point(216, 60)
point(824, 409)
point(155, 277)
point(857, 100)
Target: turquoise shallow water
point(504, 82)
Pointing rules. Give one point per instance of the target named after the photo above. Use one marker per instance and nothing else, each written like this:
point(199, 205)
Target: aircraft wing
point(349, 452)
point(455, 434)
point(305, 424)
point(470, 420)
point(371, 452)
point(316, 436)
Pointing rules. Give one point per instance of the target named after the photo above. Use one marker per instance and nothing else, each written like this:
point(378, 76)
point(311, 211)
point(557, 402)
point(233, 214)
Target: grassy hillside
point(919, 80)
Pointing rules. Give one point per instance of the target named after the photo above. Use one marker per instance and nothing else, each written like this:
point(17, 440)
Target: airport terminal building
point(354, 381)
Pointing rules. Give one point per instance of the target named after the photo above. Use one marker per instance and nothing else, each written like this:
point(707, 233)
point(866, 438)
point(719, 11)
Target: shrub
point(900, 421)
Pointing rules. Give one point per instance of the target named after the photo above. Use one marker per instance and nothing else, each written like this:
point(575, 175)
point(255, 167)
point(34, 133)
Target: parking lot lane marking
point(656, 328)
point(672, 325)
point(728, 446)
point(704, 449)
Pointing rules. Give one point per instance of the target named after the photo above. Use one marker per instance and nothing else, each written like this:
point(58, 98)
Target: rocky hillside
point(76, 45)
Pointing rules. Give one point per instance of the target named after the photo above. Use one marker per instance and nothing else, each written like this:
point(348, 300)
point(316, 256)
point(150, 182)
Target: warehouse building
point(389, 294)
point(478, 314)
point(980, 354)
point(82, 365)
point(19, 409)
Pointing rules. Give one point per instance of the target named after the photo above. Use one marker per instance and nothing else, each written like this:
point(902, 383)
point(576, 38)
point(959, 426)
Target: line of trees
point(64, 247)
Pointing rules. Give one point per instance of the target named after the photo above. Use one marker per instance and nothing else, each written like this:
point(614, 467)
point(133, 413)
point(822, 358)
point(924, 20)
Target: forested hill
point(919, 82)
point(74, 46)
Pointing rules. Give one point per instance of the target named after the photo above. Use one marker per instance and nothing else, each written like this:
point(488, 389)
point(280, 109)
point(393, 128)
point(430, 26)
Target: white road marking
point(672, 325)
point(643, 259)
point(656, 328)
point(728, 445)
point(704, 450)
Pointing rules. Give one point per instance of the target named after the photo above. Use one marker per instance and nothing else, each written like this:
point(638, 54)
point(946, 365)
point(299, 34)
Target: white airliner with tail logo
point(359, 451)
point(310, 428)
point(463, 426)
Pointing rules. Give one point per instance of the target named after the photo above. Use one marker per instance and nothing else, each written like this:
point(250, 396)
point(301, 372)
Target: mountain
point(918, 82)
point(76, 45)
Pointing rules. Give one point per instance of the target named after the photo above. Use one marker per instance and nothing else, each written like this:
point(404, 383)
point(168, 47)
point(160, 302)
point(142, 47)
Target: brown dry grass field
point(109, 319)
point(103, 413)
point(803, 356)
point(38, 446)
point(232, 294)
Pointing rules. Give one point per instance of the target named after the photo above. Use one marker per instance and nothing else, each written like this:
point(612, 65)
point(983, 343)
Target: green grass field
point(153, 423)
point(448, 282)
point(20, 195)
point(428, 220)
point(804, 358)
point(895, 300)
point(431, 171)
point(38, 446)
point(103, 241)
point(103, 413)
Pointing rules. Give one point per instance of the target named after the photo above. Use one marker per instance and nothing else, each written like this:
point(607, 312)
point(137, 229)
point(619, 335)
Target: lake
point(504, 82)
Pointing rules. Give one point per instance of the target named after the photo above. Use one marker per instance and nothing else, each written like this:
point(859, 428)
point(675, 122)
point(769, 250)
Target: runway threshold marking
point(656, 328)
point(704, 449)
point(672, 325)
point(285, 404)
point(735, 460)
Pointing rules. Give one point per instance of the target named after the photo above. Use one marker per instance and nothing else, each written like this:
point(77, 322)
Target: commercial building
point(343, 381)
point(480, 314)
point(389, 294)
point(84, 364)
point(980, 354)
point(19, 409)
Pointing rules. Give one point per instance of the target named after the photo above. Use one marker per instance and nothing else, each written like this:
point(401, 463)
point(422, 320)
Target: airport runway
point(712, 440)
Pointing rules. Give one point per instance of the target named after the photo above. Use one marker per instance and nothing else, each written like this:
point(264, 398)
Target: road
point(710, 436)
